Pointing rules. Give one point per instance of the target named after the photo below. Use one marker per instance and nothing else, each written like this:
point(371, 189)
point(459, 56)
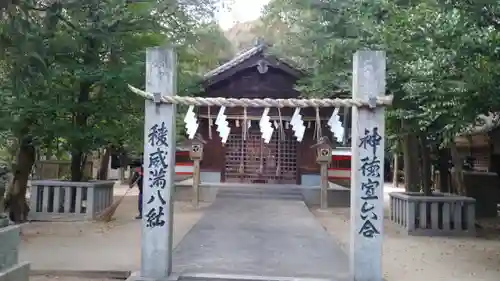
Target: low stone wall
point(185, 193)
point(484, 187)
point(10, 268)
point(438, 215)
point(342, 182)
point(54, 200)
point(337, 196)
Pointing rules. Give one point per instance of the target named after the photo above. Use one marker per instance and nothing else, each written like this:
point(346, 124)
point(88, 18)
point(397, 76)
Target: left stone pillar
point(10, 267)
point(159, 165)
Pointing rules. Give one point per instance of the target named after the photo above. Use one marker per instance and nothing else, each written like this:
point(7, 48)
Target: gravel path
point(92, 246)
point(116, 246)
point(425, 258)
point(64, 278)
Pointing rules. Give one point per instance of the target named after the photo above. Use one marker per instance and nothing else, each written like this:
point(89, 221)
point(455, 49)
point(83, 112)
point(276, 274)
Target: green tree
point(442, 61)
point(25, 79)
point(65, 67)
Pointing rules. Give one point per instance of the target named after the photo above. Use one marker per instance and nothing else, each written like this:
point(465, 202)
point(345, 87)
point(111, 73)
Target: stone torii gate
point(368, 138)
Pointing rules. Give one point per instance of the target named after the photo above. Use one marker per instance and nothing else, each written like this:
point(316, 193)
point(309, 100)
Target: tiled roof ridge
point(239, 58)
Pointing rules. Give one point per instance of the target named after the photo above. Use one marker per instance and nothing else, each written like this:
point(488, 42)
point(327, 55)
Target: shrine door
point(253, 161)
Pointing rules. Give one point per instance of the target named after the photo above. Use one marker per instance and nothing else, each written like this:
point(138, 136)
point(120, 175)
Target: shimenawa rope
point(280, 103)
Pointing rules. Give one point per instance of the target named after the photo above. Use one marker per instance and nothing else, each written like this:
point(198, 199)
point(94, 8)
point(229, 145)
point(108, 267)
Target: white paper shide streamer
point(222, 125)
point(298, 126)
point(265, 125)
point(336, 126)
point(191, 122)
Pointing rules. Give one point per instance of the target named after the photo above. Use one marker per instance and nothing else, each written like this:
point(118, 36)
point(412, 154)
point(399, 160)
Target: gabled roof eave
point(243, 56)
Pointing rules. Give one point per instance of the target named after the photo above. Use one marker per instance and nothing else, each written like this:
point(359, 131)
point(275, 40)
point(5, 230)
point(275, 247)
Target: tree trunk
point(49, 153)
point(457, 175)
point(4, 182)
point(395, 174)
point(76, 166)
point(102, 173)
point(411, 166)
point(15, 201)
point(444, 171)
point(122, 175)
point(78, 157)
point(426, 166)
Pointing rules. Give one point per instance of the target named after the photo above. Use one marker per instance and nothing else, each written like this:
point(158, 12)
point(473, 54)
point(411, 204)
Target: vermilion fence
point(340, 169)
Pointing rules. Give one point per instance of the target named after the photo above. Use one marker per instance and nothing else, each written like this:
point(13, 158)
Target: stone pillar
point(367, 179)
point(159, 166)
point(10, 267)
point(196, 182)
point(324, 184)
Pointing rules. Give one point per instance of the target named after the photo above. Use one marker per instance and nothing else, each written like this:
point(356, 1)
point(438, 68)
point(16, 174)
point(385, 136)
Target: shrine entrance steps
point(338, 196)
point(253, 191)
point(259, 233)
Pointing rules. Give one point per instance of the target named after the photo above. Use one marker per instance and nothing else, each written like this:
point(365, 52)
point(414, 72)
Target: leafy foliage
point(66, 64)
point(442, 55)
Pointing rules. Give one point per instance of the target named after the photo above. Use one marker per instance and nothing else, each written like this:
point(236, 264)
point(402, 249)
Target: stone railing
point(10, 267)
point(437, 215)
point(64, 200)
point(337, 195)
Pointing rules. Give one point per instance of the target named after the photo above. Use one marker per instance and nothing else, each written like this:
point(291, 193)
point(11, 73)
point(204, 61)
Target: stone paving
point(272, 237)
point(92, 246)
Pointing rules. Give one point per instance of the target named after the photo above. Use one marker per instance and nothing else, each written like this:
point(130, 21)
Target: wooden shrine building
point(245, 158)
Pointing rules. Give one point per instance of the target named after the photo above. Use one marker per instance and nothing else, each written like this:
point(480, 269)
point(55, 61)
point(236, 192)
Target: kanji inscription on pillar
point(157, 178)
point(369, 143)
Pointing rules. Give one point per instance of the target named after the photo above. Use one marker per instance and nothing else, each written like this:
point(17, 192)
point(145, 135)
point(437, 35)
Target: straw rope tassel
point(315, 130)
point(282, 131)
point(344, 122)
point(209, 123)
point(315, 134)
point(318, 125)
point(280, 141)
point(244, 129)
point(245, 123)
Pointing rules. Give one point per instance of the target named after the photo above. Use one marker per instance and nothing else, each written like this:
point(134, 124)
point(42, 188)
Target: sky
point(241, 11)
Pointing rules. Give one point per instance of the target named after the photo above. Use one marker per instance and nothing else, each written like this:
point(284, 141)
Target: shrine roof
point(260, 48)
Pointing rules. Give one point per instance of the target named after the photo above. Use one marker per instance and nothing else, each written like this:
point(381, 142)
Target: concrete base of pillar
point(225, 277)
point(136, 276)
point(18, 272)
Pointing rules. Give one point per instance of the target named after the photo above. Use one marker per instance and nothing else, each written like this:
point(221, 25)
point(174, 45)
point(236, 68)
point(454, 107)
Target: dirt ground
point(64, 278)
point(115, 246)
point(411, 258)
point(93, 246)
